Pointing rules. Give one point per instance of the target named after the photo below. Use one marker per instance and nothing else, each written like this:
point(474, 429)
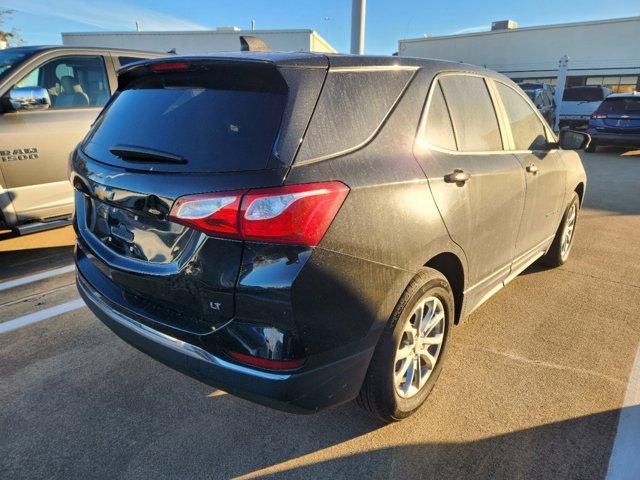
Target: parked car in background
point(616, 121)
point(578, 103)
point(541, 94)
point(49, 96)
point(273, 225)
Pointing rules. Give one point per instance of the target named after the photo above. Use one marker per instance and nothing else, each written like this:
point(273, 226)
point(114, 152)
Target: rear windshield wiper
point(144, 154)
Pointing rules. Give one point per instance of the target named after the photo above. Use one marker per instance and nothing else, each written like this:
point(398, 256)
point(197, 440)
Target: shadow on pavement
point(618, 176)
point(25, 262)
point(574, 448)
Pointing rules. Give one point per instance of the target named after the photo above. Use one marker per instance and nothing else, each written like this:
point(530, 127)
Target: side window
point(72, 82)
point(352, 105)
point(127, 60)
point(527, 129)
point(474, 118)
point(437, 129)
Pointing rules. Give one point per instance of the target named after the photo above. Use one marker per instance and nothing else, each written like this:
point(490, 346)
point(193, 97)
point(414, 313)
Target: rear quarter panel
point(575, 174)
point(386, 230)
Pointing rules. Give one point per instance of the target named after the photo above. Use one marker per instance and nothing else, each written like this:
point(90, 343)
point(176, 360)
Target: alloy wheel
point(419, 347)
point(567, 233)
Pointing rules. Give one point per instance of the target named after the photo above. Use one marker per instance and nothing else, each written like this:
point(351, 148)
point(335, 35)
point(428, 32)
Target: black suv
point(302, 229)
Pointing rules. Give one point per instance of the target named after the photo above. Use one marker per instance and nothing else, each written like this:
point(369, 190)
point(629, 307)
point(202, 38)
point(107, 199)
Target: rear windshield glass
point(10, 58)
point(214, 126)
point(621, 106)
point(583, 94)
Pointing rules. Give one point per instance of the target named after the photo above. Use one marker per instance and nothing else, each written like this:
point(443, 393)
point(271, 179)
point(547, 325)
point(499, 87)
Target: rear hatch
point(178, 128)
point(620, 115)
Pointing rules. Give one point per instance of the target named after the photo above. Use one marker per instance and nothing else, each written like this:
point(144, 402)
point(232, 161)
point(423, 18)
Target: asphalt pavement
point(534, 385)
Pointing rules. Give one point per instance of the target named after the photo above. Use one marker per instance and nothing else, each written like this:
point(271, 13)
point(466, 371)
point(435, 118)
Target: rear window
point(10, 58)
point(621, 106)
point(215, 122)
point(583, 94)
point(127, 60)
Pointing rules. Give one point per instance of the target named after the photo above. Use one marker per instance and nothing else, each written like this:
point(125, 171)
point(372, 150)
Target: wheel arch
point(451, 266)
point(580, 191)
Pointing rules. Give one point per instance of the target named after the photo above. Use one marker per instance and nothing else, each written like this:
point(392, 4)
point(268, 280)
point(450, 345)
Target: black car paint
point(334, 299)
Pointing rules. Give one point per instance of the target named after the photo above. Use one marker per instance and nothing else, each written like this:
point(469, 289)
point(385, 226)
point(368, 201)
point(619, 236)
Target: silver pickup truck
point(49, 97)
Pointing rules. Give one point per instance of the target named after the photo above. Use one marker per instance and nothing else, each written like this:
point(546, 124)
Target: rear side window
point(351, 107)
point(621, 106)
point(437, 129)
point(127, 60)
point(216, 122)
point(583, 94)
point(474, 118)
point(527, 129)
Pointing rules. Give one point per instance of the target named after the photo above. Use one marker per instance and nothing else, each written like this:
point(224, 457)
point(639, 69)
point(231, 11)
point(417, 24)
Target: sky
point(42, 21)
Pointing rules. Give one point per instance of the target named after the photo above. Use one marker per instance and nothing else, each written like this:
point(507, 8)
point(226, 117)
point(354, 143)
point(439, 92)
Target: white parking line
point(624, 462)
point(35, 277)
point(41, 315)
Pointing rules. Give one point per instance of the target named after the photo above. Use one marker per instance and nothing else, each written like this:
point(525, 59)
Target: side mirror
point(29, 98)
point(572, 140)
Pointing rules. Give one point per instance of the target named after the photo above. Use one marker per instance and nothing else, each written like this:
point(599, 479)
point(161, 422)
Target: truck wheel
point(410, 354)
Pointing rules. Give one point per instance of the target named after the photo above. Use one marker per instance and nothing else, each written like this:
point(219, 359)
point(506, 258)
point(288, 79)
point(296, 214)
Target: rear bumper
point(602, 138)
point(308, 391)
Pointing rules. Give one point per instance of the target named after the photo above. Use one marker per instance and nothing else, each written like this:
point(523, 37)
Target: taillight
point(215, 214)
point(598, 115)
point(292, 214)
point(169, 67)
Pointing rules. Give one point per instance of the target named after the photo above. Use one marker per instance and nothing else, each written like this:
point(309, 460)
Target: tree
point(8, 38)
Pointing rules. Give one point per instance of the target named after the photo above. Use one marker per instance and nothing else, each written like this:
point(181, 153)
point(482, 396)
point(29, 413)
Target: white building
point(200, 41)
point(604, 52)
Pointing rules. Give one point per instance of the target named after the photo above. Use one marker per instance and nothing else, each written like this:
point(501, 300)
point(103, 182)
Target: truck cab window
point(72, 82)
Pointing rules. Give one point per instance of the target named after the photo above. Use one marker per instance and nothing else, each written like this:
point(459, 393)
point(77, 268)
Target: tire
point(591, 148)
point(558, 253)
point(380, 393)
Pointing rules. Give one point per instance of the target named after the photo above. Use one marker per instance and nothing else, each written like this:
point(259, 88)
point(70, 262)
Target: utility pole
point(358, 11)
point(561, 81)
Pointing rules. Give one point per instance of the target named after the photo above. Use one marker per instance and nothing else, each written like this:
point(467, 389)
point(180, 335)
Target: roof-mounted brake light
point(169, 67)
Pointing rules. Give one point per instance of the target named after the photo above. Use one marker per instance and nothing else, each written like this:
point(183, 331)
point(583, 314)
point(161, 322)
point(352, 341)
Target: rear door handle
point(532, 169)
point(457, 176)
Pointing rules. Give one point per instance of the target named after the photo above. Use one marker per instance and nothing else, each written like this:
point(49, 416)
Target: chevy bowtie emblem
point(103, 193)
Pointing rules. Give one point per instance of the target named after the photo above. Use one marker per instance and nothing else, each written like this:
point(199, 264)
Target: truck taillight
point(291, 214)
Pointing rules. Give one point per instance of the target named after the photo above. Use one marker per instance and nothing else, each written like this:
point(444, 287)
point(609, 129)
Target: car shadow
point(17, 263)
point(577, 448)
point(618, 172)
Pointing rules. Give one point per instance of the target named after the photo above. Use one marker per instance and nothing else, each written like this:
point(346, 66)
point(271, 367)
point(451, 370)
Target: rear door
point(544, 172)
point(39, 143)
point(460, 135)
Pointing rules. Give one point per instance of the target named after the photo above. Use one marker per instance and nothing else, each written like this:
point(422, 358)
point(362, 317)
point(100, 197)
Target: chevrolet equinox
point(302, 230)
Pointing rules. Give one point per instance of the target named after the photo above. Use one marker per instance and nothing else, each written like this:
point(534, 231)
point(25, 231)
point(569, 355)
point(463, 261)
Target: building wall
point(604, 52)
point(199, 42)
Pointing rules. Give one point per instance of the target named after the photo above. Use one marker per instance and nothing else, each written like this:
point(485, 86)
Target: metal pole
point(358, 11)
point(561, 81)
